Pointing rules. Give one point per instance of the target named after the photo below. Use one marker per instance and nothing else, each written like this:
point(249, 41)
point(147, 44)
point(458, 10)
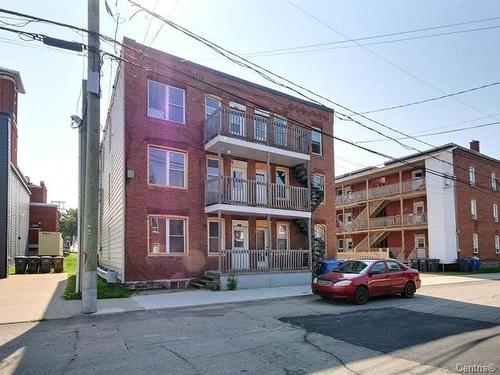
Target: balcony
point(415, 219)
point(264, 261)
point(237, 195)
point(254, 137)
point(385, 222)
point(385, 191)
point(377, 223)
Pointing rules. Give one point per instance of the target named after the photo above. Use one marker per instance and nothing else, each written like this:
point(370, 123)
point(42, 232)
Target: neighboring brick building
point(14, 193)
point(43, 216)
point(205, 171)
point(414, 213)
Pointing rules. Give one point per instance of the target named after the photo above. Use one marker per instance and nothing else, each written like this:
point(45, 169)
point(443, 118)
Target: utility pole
point(89, 256)
point(82, 153)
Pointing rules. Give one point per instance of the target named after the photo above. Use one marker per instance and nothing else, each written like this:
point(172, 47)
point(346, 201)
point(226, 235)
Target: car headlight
point(343, 283)
point(315, 280)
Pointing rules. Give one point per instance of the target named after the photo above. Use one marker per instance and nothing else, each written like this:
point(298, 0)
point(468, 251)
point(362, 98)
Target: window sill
point(167, 187)
point(162, 255)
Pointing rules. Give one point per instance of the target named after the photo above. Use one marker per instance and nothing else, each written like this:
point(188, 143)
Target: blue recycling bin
point(475, 264)
point(328, 265)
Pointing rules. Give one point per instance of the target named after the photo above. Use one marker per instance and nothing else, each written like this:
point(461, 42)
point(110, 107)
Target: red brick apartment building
point(43, 216)
point(410, 207)
point(205, 171)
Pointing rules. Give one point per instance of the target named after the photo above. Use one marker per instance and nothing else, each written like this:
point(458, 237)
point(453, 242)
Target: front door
point(239, 182)
point(240, 259)
point(261, 191)
point(262, 246)
point(420, 246)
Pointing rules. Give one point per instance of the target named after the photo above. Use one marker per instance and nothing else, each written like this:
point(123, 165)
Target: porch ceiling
point(256, 211)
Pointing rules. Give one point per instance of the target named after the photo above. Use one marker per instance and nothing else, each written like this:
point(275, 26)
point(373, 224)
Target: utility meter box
point(50, 243)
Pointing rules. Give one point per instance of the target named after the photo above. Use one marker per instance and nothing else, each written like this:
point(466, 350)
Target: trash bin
point(328, 265)
point(432, 265)
point(475, 264)
point(45, 264)
point(20, 262)
point(33, 264)
point(58, 264)
point(414, 264)
point(422, 265)
point(464, 265)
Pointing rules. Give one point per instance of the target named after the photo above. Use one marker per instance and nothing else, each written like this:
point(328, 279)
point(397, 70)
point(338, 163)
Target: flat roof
point(17, 78)
point(128, 41)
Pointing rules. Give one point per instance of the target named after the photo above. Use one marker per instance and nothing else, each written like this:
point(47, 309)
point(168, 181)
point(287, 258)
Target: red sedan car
point(358, 280)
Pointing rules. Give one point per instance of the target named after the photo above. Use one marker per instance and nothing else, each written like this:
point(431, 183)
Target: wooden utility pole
point(89, 255)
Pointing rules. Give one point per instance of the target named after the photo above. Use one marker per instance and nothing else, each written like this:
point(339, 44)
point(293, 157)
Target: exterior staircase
point(209, 280)
point(371, 240)
point(377, 206)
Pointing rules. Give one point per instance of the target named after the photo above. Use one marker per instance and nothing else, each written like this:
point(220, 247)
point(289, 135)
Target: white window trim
point(287, 234)
point(218, 165)
point(167, 166)
point(287, 181)
point(320, 141)
point(475, 243)
point(166, 87)
point(214, 98)
point(324, 186)
point(494, 183)
point(155, 227)
point(167, 219)
point(472, 176)
point(495, 212)
point(324, 232)
point(221, 241)
point(341, 249)
point(473, 209)
point(349, 244)
point(497, 244)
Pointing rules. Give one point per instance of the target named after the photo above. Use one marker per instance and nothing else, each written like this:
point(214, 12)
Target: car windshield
point(352, 266)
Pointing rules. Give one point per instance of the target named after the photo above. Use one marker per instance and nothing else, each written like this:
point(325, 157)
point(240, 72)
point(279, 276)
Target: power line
point(370, 37)
point(435, 133)
point(430, 171)
point(433, 99)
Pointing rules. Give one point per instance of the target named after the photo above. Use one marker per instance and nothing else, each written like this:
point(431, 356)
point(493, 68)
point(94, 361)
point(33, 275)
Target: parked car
point(358, 280)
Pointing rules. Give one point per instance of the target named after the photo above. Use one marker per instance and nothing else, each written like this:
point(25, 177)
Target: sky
point(359, 77)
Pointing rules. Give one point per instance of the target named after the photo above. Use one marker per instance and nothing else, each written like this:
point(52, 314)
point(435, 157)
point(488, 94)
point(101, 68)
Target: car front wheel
point(361, 296)
point(409, 290)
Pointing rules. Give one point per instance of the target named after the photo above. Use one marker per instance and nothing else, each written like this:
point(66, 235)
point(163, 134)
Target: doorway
point(240, 258)
point(261, 190)
point(239, 181)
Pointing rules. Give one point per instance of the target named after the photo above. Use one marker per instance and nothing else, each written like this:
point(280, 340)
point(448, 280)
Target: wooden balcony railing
point(238, 191)
point(415, 219)
point(271, 131)
point(357, 196)
point(262, 261)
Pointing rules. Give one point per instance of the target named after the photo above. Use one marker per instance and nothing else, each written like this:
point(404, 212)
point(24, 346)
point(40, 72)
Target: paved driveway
point(443, 327)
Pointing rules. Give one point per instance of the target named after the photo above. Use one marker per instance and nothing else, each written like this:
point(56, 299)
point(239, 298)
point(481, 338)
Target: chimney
point(474, 145)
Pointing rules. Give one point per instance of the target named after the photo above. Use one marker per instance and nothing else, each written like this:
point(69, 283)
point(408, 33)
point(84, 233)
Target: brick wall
point(143, 199)
point(484, 226)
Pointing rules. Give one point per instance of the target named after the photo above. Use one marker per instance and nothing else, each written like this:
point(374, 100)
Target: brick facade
point(143, 199)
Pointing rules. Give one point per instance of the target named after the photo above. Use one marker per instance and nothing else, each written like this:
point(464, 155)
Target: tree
point(68, 226)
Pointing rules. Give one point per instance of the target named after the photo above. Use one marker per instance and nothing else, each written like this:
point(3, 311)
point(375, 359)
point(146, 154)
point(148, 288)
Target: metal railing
point(238, 191)
point(415, 219)
point(271, 131)
point(354, 197)
point(385, 222)
point(263, 261)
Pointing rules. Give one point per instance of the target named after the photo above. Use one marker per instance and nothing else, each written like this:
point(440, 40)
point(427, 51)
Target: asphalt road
point(443, 327)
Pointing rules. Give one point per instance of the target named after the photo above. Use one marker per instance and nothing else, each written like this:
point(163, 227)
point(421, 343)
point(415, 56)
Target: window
point(493, 182)
point(237, 119)
point(497, 244)
point(473, 209)
point(338, 192)
point(280, 131)
point(281, 183)
point(165, 102)
point(495, 213)
point(340, 218)
point(167, 167)
point(472, 176)
point(167, 235)
point(394, 267)
point(349, 243)
point(475, 243)
point(348, 217)
point(379, 267)
point(319, 232)
point(319, 181)
point(214, 244)
point(317, 142)
point(260, 125)
point(212, 168)
point(340, 245)
point(282, 236)
point(211, 106)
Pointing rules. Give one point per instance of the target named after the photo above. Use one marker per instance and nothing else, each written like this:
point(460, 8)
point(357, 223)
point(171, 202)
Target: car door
point(396, 276)
point(378, 279)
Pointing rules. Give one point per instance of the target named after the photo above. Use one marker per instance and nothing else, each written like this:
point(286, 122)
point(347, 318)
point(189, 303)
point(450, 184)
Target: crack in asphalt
point(185, 360)
point(75, 354)
point(307, 341)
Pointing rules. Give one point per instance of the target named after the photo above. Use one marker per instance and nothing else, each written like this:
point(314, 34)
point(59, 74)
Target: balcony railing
point(385, 222)
point(381, 192)
point(270, 131)
point(238, 191)
point(415, 219)
point(262, 261)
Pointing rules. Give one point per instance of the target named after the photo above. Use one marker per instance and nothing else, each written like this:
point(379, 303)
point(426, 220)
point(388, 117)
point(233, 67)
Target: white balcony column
point(221, 170)
point(309, 234)
point(219, 220)
point(268, 185)
point(368, 216)
point(269, 241)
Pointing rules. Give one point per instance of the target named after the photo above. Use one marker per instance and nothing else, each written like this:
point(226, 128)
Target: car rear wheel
point(361, 296)
point(409, 290)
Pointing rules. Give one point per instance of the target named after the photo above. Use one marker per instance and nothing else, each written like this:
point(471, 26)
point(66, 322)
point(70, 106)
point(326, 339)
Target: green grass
point(481, 270)
point(11, 270)
point(104, 290)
